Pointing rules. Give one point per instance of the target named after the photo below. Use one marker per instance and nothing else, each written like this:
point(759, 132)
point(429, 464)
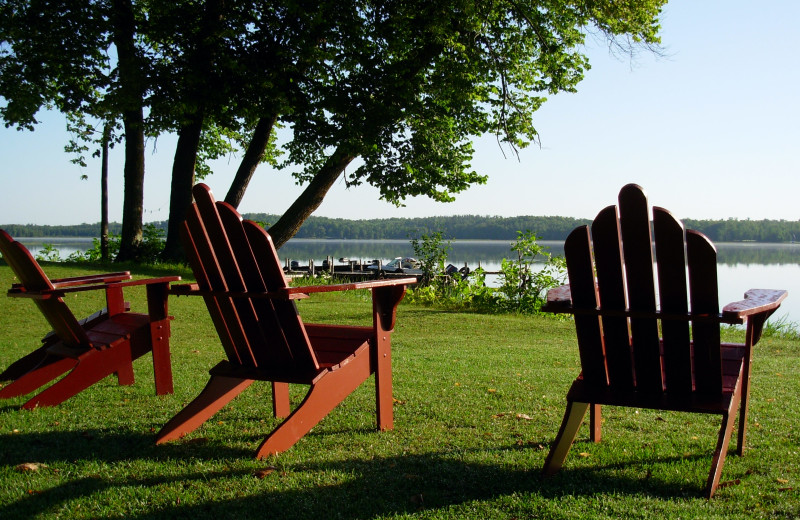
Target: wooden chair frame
point(612, 294)
point(90, 349)
point(240, 277)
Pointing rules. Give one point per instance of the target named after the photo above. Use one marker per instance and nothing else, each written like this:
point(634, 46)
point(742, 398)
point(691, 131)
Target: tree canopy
point(403, 85)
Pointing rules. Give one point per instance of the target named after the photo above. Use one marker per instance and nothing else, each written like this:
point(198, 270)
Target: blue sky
point(711, 130)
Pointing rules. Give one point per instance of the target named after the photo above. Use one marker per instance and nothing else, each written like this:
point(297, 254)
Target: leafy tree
point(404, 86)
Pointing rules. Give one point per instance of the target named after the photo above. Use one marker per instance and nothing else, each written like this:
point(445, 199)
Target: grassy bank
point(478, 400)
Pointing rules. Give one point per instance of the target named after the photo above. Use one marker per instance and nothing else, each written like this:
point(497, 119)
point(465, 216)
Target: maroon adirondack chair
point(612, 294)
point(90, 349)
point(240, 277)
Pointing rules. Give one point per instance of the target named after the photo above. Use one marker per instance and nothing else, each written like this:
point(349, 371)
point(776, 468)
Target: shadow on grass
point(362, 489)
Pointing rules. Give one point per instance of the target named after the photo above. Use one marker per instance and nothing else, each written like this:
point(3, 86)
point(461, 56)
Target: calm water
point(741, 266)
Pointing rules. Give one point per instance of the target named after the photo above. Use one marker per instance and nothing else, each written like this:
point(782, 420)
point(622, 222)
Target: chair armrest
point(78, 284)
point(287, 293)
point(91, 279)
point(193, 289)
point(756, 301)
point(559, 299)
point(147, 281)
point(371, 284)
point(59, 283)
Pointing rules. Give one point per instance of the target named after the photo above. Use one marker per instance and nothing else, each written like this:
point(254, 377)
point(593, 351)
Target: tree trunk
point(130, 102)
point(104, 195)
point(201, 60)
point(180, 198)
point(252, 158)
point(302, 208)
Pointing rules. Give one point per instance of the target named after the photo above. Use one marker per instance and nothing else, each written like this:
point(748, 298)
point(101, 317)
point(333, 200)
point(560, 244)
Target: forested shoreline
point(463, 227)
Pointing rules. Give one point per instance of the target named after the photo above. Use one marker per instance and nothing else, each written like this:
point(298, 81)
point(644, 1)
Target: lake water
point(741, 266)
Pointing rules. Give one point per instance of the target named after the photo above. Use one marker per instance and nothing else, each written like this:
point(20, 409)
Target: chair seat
point(732, 368)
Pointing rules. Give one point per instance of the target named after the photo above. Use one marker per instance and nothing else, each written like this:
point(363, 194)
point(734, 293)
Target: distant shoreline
point(459, 227)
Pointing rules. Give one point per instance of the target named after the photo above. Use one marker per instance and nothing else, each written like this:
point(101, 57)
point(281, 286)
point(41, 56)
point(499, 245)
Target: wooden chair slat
point(640, 284)
point(292, 329)
point(219, 239)
point(702, 266)
point(269, 344)
point(611, 289)
point(673, 297)
point(32, 278)
point(578, 252)
point(208, 274)
point(264, 331)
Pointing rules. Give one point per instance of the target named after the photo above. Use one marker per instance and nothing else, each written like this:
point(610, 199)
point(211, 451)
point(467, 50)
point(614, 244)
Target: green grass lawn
point(478, 400)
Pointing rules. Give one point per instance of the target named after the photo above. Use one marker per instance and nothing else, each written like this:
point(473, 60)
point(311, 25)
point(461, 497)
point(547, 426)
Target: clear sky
point(711, 130)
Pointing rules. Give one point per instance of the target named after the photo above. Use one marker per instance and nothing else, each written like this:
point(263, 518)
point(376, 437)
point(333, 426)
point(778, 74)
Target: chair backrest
point(32, 278)
point(620, 348)
point(228, 253)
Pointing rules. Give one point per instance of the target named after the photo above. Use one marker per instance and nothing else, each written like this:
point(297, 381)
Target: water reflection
point(741, 265)
point(489, 252)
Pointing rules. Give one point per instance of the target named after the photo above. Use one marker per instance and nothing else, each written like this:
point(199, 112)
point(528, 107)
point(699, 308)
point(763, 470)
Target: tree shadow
point(373, 487)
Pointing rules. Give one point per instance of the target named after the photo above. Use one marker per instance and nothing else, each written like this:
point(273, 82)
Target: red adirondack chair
point(90, 349)
point(240, 277)
point(612, 295)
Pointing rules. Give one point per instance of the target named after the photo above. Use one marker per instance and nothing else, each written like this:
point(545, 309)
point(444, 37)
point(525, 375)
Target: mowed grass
point(478, 400)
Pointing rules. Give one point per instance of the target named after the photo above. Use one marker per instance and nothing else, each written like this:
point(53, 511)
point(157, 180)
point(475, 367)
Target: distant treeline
point(462, 227)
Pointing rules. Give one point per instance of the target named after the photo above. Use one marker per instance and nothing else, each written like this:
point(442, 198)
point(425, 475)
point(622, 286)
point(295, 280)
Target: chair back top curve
point(623, 265)
point(232, 255)
point(32, 279)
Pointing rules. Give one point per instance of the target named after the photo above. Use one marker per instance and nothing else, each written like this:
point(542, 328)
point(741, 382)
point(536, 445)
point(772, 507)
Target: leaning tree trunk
point(252, 158)
point(308, 201)
point(180, 198)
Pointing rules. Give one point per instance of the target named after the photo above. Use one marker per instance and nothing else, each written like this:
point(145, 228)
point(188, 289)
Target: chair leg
point(280, 400)
point(743, 407)
point(162, 366)
point(92, 366)
point(719, 454)
point(49, 369)
point(573, 417)
point(723, 440)
point(595, 423)
point(324, 396)
point(384, 403)
point(218, 392)
point(125, 375)
point(25, 364)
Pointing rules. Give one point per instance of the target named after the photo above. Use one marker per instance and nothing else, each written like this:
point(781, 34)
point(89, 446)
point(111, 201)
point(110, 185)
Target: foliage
point(523, 287)
point(405, 86)
point(48, 253)
point(523, 284)
point(782, 328)
point(431, 252)
point(147, 253)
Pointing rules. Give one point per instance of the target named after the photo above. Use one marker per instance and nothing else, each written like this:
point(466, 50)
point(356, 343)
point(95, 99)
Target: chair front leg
point(573, 417)
point(384, 304)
